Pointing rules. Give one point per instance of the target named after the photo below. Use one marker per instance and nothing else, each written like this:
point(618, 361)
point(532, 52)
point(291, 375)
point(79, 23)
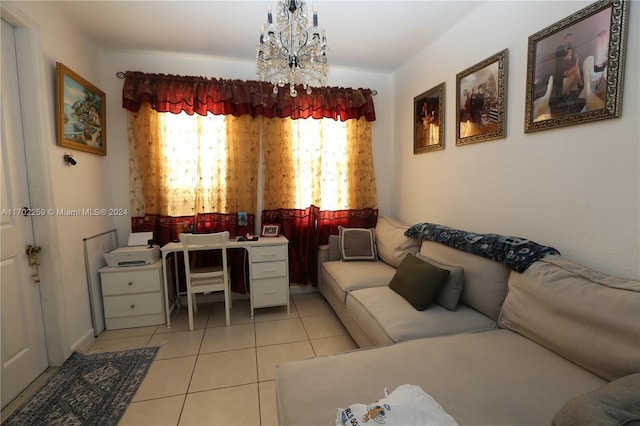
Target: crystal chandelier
point(290, 52)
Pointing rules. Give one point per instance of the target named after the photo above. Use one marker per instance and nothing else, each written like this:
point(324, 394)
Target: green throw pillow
point(418, 281)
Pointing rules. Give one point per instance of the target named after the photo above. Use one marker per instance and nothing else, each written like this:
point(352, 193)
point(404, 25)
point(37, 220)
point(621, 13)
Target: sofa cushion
point(449, 294)
point(491, 378)
point(418, 281)
point(342, 277)
point(388, 318)
point(616, 403)
point(587, 317)
point(357, 244)
point(391, 243)
point(485, 280)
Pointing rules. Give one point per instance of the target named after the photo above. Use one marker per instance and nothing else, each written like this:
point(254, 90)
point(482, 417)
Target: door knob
point(32, 252)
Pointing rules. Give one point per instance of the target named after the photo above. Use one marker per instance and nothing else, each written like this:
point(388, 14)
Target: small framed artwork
point(81, 113)
point(481, 100)
point(428, 119)
point(575, 68)
point(270, 230)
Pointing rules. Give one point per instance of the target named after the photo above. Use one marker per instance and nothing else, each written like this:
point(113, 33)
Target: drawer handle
point(133, 306)
point(268, 270)
point(130, 283)
point(268, 254)
point(269, 292)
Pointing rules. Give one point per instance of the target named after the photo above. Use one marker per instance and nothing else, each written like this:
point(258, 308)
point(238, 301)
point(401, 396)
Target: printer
point(139, 251)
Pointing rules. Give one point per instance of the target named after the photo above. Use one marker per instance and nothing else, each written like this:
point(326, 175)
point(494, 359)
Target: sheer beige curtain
point(180, 165)
point(325, 163)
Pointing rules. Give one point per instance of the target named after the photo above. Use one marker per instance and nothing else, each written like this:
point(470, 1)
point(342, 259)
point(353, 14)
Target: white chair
point(208, 278)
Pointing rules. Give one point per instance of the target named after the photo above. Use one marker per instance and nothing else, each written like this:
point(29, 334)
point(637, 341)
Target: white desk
point(268, 271)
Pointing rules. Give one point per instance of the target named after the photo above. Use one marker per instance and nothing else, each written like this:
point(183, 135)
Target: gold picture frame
point(481, 100)
point(428, 119)
point(81, 113)
point(575, 68)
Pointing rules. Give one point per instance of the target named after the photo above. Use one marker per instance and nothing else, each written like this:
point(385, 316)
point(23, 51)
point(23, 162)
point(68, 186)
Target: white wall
point(172, 63)
point(54, 185)
point(575, 188)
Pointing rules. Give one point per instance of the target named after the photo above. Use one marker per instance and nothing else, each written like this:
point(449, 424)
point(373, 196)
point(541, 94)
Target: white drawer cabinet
point(269, 271)
point(132, 296)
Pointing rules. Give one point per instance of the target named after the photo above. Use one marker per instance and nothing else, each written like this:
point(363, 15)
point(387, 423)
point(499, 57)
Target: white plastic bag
point(408, 405)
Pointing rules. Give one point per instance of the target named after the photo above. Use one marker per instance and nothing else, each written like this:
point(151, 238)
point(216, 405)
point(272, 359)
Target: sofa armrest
point(327, 252)
point(323, 256)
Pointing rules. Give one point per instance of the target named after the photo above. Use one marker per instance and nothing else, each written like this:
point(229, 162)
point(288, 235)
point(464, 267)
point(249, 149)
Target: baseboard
point(83, 342)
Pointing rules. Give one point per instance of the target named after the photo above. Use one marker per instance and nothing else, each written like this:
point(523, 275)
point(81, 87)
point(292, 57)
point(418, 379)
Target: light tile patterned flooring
point(218, 375)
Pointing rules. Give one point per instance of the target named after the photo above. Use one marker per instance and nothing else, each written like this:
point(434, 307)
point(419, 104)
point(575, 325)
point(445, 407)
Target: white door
point(24, 355)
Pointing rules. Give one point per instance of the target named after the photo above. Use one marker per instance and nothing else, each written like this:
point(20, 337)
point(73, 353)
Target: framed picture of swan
point(81, 113)
point(428, 119)
point(481, 100)
point(575, 67)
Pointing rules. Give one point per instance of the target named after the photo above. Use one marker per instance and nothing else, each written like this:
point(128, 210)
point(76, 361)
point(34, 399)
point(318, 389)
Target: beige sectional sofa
point(556, 342)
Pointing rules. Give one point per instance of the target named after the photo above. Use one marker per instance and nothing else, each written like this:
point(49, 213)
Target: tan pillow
point(449, 294)
point(357, 244)
point(590, 318)
point(391, 243)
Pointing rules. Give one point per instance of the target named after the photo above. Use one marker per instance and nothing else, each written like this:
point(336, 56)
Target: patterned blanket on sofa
point(515, 252)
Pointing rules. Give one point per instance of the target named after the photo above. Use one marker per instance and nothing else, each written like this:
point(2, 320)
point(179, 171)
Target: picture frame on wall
point(270, 230)
point(428, 119)
point(575, 68)
point(481, 100)
point(80, 113)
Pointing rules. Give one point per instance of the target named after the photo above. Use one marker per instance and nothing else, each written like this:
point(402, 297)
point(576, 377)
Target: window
point(183, 164)
point(320, 160)
point(195, 151)
point(325, 163)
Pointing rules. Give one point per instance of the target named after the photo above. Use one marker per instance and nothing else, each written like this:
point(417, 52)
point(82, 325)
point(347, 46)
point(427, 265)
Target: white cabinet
point(269, 272)
point(132, 296)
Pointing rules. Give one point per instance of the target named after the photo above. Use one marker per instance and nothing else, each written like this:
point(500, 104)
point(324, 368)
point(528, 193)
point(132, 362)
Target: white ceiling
point(377, 36)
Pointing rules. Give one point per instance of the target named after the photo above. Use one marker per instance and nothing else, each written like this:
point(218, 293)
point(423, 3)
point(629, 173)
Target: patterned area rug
point(87, 390)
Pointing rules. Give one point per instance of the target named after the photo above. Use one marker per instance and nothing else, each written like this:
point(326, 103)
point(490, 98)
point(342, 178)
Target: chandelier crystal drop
point(291, 52)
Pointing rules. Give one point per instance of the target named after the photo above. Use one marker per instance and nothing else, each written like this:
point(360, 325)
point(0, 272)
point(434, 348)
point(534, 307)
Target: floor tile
point(268, 403)
point(118, 344)
point(333, 345)
point(309, 304)
point(222, 369)
point(219, 339)
point(232, 406)
point(182, 343)
point(319, 326)
point(275, 313)
point(166, 377)
point(127, 332)
point(218, 374)
point(240, 313)
point(157, 412)
point(282, 331)
point(270, 356)
point(180, 320)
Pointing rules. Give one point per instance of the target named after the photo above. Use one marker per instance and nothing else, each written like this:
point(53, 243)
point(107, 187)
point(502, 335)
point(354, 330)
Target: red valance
point(172, 93)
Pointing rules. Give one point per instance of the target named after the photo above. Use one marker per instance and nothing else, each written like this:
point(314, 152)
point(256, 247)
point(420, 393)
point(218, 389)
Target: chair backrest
point(198, 242)
point(213, 241)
